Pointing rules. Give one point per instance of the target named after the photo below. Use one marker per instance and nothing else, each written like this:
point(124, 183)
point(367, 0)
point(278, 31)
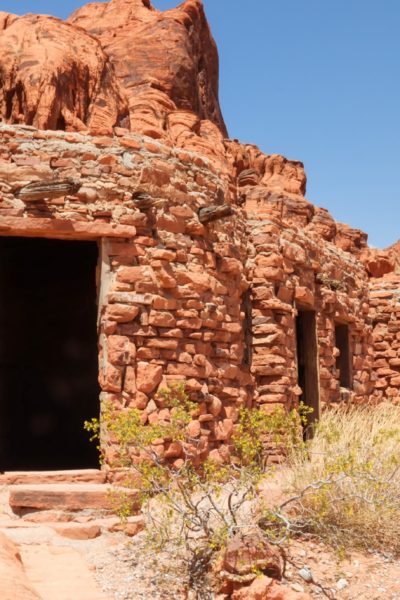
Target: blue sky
point(318, 81)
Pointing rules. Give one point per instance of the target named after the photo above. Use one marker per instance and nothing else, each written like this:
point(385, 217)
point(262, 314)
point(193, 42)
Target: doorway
point(307, 362)
point(48, 353)
point(343, 360)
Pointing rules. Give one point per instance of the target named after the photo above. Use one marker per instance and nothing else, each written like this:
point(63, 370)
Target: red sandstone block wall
point(290, 270)
point(213, 305)
point(171, 289)
point(385, 312)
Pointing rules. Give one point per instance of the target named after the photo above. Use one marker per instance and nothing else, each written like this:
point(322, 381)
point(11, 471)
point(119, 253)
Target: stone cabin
point(113, 286)
point(140, 246)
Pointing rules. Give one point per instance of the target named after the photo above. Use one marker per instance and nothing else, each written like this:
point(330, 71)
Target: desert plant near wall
point(195, 506)
point(345, 483)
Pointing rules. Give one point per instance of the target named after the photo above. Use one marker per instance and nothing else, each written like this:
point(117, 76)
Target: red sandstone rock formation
point(381, 262)
point(55, 76)
point(151, 72)
point(166, 62)
point(273, 186)
point(224, 294)
point(253, 168)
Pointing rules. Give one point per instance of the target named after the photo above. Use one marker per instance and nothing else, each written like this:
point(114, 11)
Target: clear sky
point(315, 80)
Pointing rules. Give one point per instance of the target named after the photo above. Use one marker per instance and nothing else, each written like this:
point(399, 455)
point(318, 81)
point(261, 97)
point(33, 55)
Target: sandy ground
point(115, 567)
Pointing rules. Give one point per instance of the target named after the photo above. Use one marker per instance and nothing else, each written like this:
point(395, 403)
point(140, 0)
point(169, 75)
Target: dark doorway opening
point(48, 353)
point(307, 361)
point(343, 360)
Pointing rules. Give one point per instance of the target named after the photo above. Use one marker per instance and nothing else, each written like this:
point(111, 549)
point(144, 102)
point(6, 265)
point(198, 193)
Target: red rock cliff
point(55, 76)
point(120, 63)
point(164, 61)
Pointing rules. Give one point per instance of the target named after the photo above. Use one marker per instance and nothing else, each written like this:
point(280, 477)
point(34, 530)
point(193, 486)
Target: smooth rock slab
point(39, 477)
point(69, 497)
point(77, 531)
point(59, 573)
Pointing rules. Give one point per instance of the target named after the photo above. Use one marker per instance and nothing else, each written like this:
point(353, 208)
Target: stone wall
point(171, 288)
point(214, 305)
point(385, 312)
point(291, 270)
point(299, 257)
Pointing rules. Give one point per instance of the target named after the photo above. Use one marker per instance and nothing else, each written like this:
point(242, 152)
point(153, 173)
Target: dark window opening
point(48, 353)
point(307, 361)
point(343, 360)
point(247, 326)
point(60, 124)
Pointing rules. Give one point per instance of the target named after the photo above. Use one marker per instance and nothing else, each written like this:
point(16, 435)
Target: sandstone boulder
point(77, 531)
point(247, 552)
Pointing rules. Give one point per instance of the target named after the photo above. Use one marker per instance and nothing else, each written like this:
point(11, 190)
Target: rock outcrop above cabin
point(381, 262)
point(120, 63)
point(274, 186)
point(165, 61)
point(55, 76)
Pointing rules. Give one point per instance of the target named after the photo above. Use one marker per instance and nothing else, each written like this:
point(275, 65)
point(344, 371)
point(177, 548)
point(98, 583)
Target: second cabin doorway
point(307, 362)
point(343, 360)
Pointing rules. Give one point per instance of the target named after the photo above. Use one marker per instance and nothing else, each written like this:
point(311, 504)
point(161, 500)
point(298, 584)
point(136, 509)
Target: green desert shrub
point(341, 487)
point(193, 507)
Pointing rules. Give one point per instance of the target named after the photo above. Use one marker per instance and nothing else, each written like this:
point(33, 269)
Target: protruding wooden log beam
point(144, 201)
point(46, 190)
point(214, 212)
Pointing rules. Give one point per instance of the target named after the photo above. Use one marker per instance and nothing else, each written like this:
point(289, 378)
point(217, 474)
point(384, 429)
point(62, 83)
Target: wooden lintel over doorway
point(63, 228)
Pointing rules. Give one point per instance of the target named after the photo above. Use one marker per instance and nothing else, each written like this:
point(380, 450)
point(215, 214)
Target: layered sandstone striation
point(53, 76)
point(165, 62)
